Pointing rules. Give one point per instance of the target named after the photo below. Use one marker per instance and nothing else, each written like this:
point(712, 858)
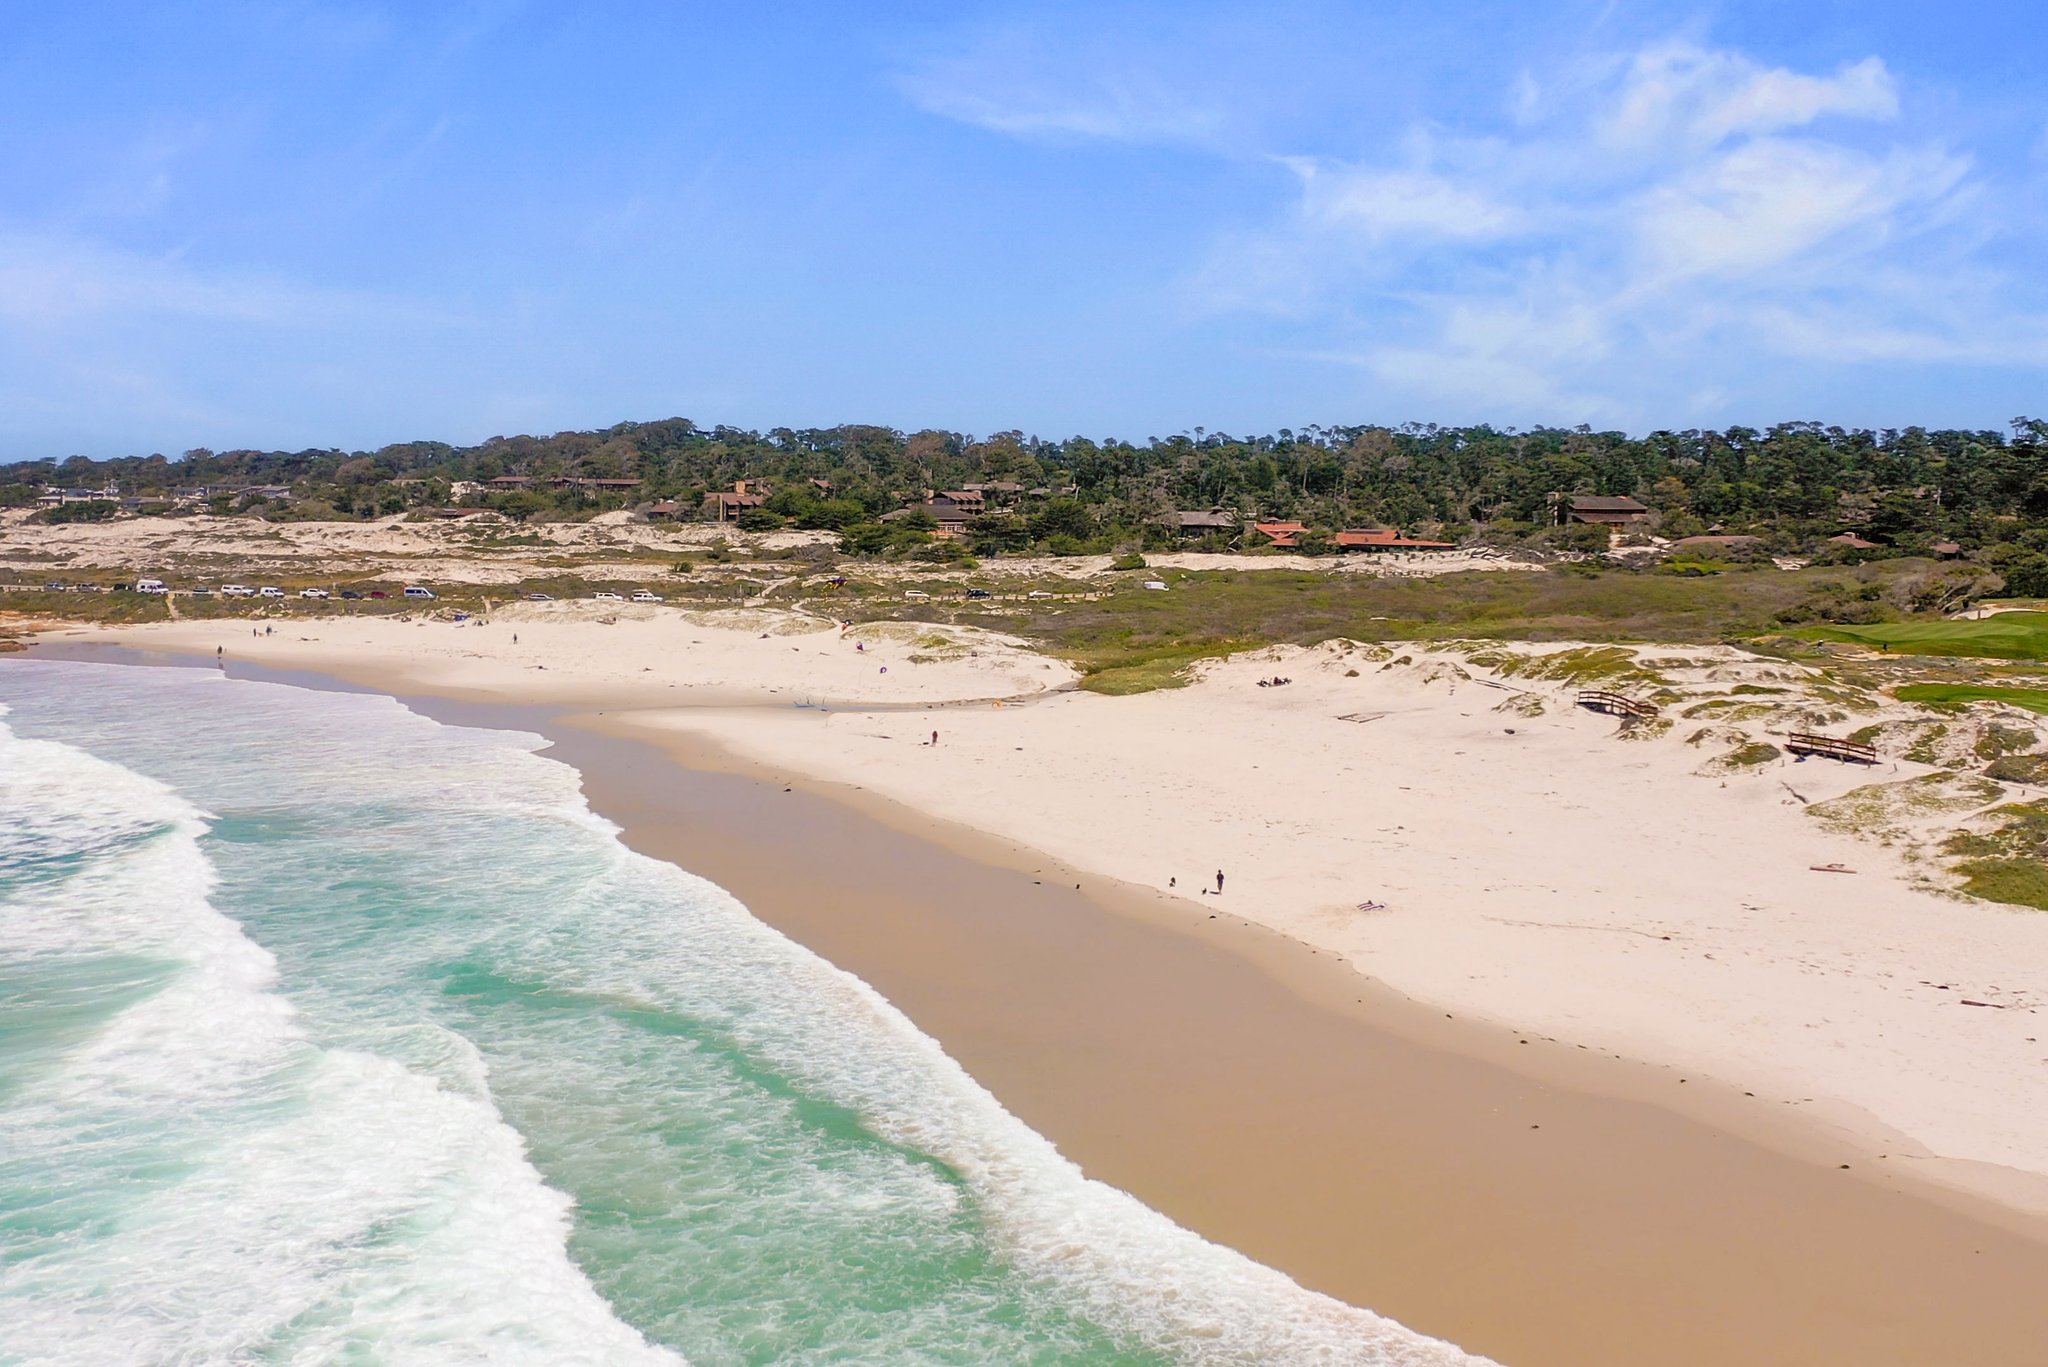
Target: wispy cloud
point(57, 281)
point(1636, 240)
point(1018, 81)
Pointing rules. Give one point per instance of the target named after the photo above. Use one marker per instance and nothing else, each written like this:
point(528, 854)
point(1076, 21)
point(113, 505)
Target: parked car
point(150, 586)
point(1038, 593)
point(1158, 585)
point(379, 593)
point(270, 591)
point(540, 598)
point(350, 593)
point(916, 596)
point(237, 591)
point(314, 593)
point(644, 596)
point(603, 596)
point(415, 591)
point(979, 593)
point(56, 586)
point(200, 593)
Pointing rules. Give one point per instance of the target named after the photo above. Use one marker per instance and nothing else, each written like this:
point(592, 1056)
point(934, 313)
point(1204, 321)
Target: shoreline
point(1237, 1080)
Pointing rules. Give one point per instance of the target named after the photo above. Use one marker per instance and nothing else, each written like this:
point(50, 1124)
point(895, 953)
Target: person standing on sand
point(935, 738)
point(1219, 882)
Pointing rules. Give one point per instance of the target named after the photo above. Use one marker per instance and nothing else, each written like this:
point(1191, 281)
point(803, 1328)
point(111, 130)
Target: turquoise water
point(330, 1034)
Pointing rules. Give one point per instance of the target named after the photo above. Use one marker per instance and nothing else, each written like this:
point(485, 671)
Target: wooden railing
point(1853, 751)
point(1616, 705)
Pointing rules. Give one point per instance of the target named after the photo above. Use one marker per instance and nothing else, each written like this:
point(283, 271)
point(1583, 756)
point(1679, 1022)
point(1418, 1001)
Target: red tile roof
point(1286, 535)
point(1386, 537)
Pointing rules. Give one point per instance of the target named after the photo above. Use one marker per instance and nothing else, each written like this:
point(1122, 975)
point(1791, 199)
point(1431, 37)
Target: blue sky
point(346, 224)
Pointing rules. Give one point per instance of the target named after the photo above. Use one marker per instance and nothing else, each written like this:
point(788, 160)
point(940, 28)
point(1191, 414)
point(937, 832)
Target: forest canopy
point(1904, 487)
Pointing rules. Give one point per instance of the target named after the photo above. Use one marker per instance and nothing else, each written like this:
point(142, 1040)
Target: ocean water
point(332, 1034)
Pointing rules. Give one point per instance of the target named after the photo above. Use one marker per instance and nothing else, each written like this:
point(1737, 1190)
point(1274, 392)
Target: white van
point(150, 586)
point(270, 591)
point(415, 591)
point(237, 591)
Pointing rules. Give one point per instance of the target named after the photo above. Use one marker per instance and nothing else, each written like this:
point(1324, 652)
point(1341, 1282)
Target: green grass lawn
point(2032, 699)
point(2007, 636)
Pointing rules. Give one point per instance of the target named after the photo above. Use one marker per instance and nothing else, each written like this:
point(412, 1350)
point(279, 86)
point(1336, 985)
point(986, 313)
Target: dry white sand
point(1535, 869)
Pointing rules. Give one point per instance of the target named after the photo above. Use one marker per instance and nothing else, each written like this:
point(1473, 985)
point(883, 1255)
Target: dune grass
point(2032, 699)
point(2016, 882)
point(1213, 613)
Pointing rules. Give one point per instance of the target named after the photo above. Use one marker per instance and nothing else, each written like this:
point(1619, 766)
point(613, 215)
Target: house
point(1853, 542)
point(726, 505)
point(1604, 511)
point(55, 497)
point(1947, 550)
point(594, 486)
point(1385, 539)
point(1284, 536)
point(1193, 524)
point(969, 501)
point(505, 484)
point(952, 519)
point(667, 510)
point(1000, 492)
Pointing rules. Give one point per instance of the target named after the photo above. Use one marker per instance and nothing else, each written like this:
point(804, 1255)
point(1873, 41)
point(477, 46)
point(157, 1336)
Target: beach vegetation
point(1999, 740)
point(2029, 768)
point(1215, 612)
point(1889, 812)
point(93, 511)
point(2008, 861)
point(1751, 753)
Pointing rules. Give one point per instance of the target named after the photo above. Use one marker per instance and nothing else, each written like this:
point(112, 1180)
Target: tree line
point(1792, 484)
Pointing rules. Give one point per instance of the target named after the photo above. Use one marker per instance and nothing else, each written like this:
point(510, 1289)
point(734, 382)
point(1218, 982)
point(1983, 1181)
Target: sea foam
point(192, 1181)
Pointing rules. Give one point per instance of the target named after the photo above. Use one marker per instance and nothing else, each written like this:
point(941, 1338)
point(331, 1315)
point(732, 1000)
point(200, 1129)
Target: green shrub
point(2018, 769)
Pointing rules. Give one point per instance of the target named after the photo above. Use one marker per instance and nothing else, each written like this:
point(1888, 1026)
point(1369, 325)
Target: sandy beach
point(1444, 884)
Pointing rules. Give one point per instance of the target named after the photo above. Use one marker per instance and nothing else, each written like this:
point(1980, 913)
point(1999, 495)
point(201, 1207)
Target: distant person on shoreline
point(935, 738)
point(1219, 882)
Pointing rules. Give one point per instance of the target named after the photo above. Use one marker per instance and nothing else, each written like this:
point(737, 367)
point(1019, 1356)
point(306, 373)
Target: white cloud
point(1681, 93)
point(1398, 203)
point(1643, 233)
point(1772, 200)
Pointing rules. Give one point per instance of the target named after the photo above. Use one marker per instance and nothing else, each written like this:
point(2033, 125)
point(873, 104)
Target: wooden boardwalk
point(1614, 704)
point(1850, 751)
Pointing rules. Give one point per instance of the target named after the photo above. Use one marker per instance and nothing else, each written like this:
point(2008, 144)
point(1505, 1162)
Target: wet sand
point(1529, 1201)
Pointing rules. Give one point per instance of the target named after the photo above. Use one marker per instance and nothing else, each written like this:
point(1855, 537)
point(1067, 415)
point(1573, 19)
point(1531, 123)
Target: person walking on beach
point(935, 738)
point(1219, 882)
